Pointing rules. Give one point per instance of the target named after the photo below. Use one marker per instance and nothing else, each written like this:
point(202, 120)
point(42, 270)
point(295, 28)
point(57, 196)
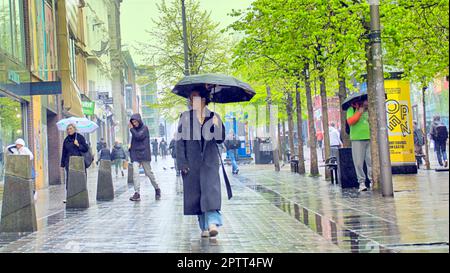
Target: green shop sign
point(88, 108)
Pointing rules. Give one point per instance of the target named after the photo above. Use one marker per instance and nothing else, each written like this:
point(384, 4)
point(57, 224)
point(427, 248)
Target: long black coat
point(202, 191)
point(70, 149)
point(140, 141)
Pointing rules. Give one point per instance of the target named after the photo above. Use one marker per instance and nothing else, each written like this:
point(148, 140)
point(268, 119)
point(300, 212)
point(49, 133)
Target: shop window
point(11, 127)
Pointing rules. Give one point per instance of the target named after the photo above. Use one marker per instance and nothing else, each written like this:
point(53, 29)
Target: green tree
point(208, 47)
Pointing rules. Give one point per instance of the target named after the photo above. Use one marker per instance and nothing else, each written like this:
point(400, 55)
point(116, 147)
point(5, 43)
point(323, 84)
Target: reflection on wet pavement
point(251, 224)
point(415, 220)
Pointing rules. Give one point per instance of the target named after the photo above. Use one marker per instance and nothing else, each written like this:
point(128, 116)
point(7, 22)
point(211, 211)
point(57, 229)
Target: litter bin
point(263, 151)
point(294, 164)
point(346, 169)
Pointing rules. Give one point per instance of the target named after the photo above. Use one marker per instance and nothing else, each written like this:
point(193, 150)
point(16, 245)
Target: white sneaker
point(35, 196)
point(213, 231)
point(205, 234)
point(362, 187)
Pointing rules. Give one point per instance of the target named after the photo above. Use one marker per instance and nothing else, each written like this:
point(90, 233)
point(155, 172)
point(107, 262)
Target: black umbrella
point(361, 96)
point(223, 89)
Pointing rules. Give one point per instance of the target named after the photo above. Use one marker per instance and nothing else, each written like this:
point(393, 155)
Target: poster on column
point(401, 131)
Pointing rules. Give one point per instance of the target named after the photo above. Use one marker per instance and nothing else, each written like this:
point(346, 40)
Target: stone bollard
point(130, 173)
point(77, 193)
point(105, 187)
point(18, 210)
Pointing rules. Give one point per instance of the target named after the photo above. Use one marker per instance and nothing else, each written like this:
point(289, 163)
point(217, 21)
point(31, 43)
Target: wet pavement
point(415, 220)
point(251, 223)
point(270, 212)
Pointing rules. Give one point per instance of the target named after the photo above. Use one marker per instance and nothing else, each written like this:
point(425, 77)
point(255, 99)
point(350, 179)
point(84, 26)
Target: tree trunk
point(342, 96)
point(280, 141)
point(283, 126)
point(301, 157)
point(272, 130)
point(289, 108)
point(427, 152)
point(326, 132)
point(314, 169)
point(376, 168)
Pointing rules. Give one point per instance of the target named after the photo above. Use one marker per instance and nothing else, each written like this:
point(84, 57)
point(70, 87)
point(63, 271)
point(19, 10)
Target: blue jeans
point(230, 154)
point(439, 148)
point(208, 218)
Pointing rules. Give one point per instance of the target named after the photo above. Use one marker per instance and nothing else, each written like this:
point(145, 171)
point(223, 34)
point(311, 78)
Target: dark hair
point(204, 93)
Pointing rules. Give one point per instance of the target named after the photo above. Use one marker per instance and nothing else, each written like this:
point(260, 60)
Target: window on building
point(11, 127)
point(12, 39)
point(72, 58)
point(43, 38)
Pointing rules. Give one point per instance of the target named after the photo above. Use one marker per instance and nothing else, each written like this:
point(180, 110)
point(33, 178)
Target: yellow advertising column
point(401, 131)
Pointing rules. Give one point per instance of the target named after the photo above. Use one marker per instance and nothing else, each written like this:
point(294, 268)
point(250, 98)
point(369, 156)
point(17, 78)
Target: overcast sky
point(136, 17)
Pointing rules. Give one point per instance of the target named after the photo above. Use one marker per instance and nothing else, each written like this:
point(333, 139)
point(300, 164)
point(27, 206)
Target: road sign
point(102, 95)
point(108, 101)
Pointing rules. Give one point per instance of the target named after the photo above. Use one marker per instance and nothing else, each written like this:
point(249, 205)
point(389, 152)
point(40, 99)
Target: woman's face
point(197, 102)
point(70, 130)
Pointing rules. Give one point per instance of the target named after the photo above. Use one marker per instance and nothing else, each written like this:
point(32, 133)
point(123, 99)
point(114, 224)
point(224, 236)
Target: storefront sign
point(88, 108)
point(14, 77)
point(399, 115)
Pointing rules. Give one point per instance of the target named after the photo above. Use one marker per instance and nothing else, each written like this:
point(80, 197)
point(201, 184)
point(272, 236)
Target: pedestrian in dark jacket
point(155, 148)
point(118, 155)
point(419, 141)
point(173, 152)
point(198, 159)
point(141, 156)
point(439, 135)
point(104, 154)
point(74, 145)
point(163, 148)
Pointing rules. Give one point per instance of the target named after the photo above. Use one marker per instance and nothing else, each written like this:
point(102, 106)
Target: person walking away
point(155, 149)
point(358, 120)
point(231, 146)
point(419, 141)
point(105, 154)
point(19, 148)
point(74, 145)
point(118, 155)
point(319, 137)
point(439, 134)
point(100, 144)
point(198, 159)
point(173, 153)
point(163, 148)
point(141, 155)
point(335, 140)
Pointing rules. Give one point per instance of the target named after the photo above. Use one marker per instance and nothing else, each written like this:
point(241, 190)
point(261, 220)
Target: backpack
point(440, 133)
point(419, 138)
point(347, 128)
point(232, 144)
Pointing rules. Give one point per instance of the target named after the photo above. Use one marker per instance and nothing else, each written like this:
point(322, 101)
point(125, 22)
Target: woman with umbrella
point(198, 159)
point(197, 154)
point(74, 145)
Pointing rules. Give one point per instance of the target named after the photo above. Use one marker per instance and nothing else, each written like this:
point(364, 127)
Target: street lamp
point(378, 79)
point(183, 17)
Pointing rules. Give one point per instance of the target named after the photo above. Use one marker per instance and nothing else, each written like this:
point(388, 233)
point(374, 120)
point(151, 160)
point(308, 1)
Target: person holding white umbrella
point(74, 145)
